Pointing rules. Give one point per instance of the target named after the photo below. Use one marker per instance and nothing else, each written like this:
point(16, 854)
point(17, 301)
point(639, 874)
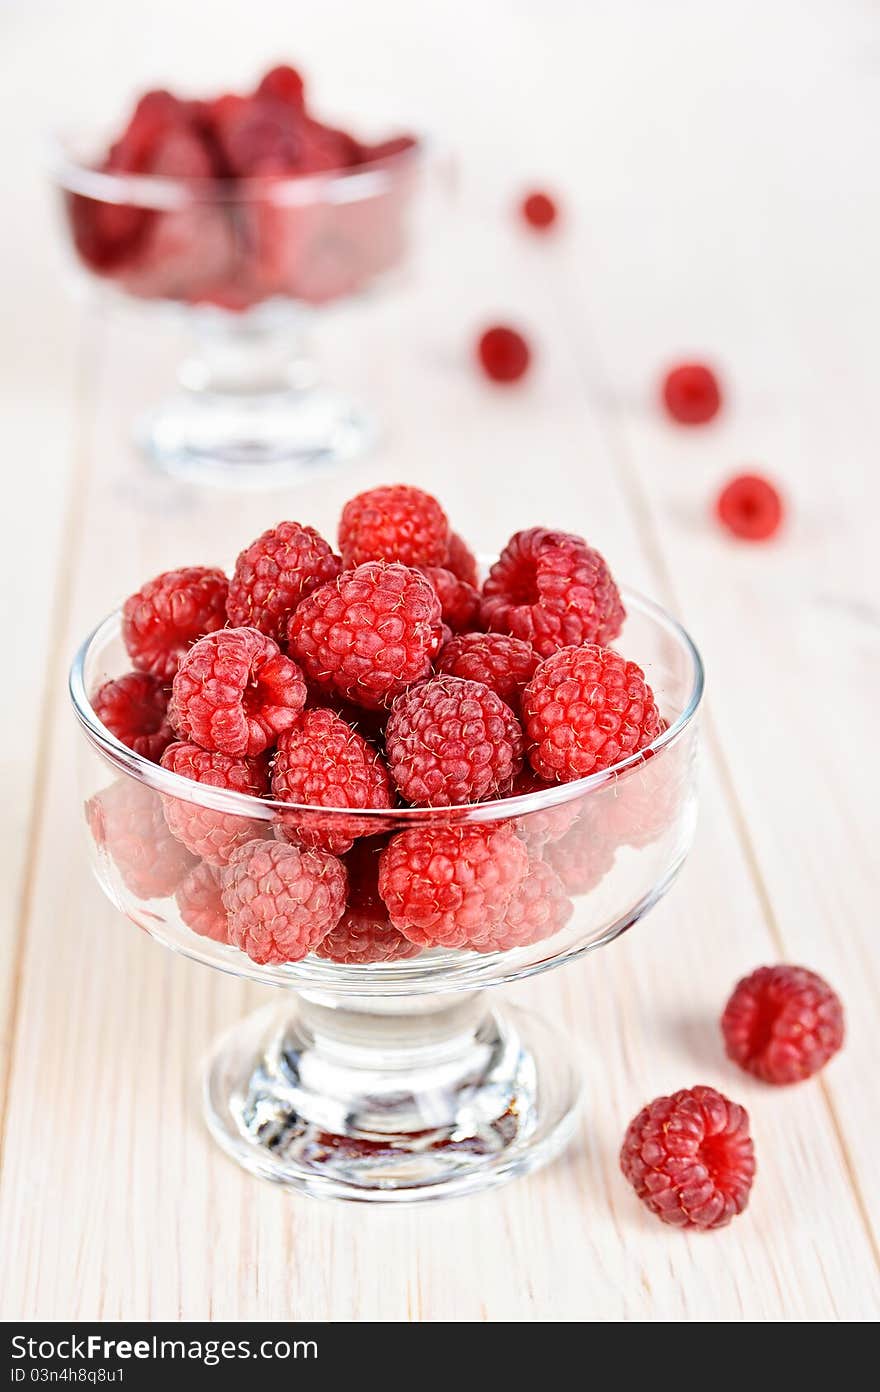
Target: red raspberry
point(583, 855)
point(586, 709)
point(545, 823)
point(690, 1158)
point(539, 211)
point(134, 708)
point(206, 832)
point(646, 801)
point(750, 507)
point(538, 909)
point(691, 394)
point(461, 561)
point(236, 692)
point(782, 1024)
point(396, 523)
point(504, 354)
point(200, 903)
point(282, 901)
point(451, 741)
point(126, 822)
point(364, 933)
point(274, 573)
point(552, 590)
point(283, 84)
point(459, 601)
point(322, 762)
point(451, 886)
point(502, 663)
point(168, 614)
point(369, 634)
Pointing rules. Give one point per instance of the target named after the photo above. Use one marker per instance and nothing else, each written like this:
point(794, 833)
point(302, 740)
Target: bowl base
point(253, 440)
point(367, 1101)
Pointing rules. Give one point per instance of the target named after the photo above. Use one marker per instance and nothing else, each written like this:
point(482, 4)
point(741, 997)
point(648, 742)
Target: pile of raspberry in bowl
point(357, 738)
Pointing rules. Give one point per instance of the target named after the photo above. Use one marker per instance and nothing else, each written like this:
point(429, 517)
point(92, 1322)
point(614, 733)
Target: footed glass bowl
point(249, 261)
point(385, 1073)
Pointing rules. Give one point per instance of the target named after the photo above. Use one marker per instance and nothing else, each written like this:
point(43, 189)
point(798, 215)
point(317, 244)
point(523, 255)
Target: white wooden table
point(723, 198)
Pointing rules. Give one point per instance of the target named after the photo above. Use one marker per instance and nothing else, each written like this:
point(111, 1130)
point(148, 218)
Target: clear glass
point(249, 263)
point(394, 1079)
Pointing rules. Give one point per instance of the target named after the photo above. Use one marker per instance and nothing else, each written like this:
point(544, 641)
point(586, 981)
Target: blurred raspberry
point(369, 634)
point(322, 762)
point(236, 692)
point(646, 800)
point(395, 523)
point(750, 507)
point(166, 616)
point(459, 601)
point(126, 822)
point(584, 855)
point(584, 710)
point(200, 904)
point(782, 1024)
point(539, 211)
point(134, 708)
point(205, 831)
point(690, 1158)
point(503, 354)
point(365, 933)
point(274, 573)
point(545, 823)
point(461, 561)
point(538, 909)
point(691, 394)
point(451, 741)
point(502, 663)
point(281, 902)
point(283, 84)
point(552, 590)
point(451, 886)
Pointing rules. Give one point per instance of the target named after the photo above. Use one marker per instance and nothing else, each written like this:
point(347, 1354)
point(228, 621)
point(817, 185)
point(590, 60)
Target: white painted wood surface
point(722, 198)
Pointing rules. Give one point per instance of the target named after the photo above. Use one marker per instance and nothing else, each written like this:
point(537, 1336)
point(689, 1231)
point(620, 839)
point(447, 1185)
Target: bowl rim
point(267, 809)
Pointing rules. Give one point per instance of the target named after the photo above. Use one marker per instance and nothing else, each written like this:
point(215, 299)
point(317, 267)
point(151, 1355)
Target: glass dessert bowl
point(248, 215)
point(385, 1073)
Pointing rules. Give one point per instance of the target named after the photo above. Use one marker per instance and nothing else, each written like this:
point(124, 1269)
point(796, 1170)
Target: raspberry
point(782, 1024)
point(691, 394)
point(502, 663)
point(368, 634)
point(396, 523)
point(166, 616)
point(364, 933)
point(322, 762)
point(236, 692)
point(281, 901)
point(504, 354)
point(750, 507)
point(126, 822)
point(209, 833)
point(283, 84)
point(274, 573)
point(461, 561)
point(584, 710)
point(646, 801)
point(583, 855)
point(200, 903)
point(134, 708)
point(451, 886)
point(545, 823)
point(538, 909)
point(552, 590)
point(539, 211)
point(690, 1158)
point(451, 741)
point(459, 601)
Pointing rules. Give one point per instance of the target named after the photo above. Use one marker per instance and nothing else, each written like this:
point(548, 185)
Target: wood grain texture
point(709, 209)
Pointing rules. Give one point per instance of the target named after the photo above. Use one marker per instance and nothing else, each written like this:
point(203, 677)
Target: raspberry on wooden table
point(207, 832)
point(200, 903)
point(504, 354)
point(552, 590)
point(459, 601)
point(166, 616)
point(126, 821)
point(504, 664)
point(539, 210)
point(451, 741)
point(281, 901)
point(584, 710)
point(691, 394)
point(394, 523)
point(782, 1024)
point(274, 573)
point(365, 933)
point(451, 886)
point(690, 1158)
point(134, 708)
point(235, 692)
point(461, 561)
point(323, 762)
point(369, 634)
point(750, 507)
